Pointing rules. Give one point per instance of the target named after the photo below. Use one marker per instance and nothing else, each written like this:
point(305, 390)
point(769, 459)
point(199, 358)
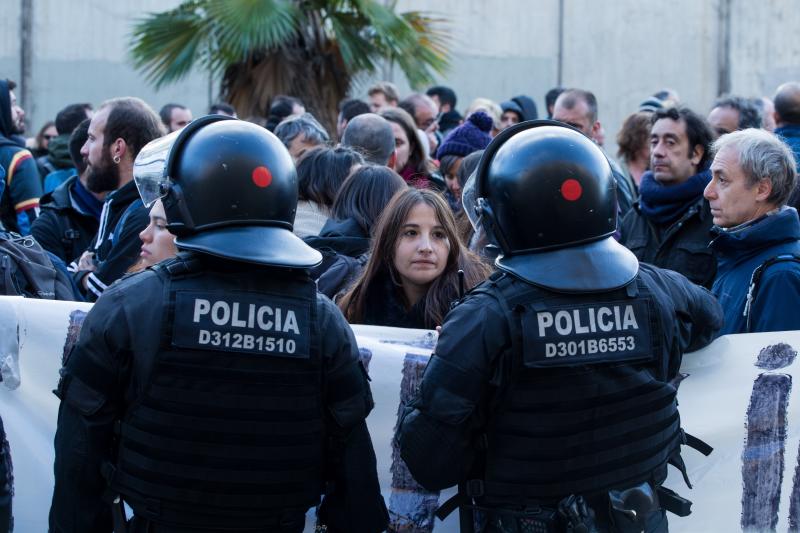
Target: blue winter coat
point(791, 136)
point(739, 253)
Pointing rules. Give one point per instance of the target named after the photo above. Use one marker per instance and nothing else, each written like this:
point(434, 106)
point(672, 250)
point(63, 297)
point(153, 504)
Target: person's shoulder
point(782, 271)
point(326, 308)
point(664, 278)
point(135, 283)
point(13, 156)
point(489, 293)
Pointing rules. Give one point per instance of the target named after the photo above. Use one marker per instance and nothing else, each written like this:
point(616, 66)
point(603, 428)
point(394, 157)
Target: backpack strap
point(755, 280)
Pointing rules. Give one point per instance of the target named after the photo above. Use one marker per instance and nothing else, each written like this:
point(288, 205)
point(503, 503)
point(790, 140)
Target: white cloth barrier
point(723, 397)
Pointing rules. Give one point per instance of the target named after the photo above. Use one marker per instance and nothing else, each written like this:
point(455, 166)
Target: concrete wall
point(80, 55)
point(622, 50)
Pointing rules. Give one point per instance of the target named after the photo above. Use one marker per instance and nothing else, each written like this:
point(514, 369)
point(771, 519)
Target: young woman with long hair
point(411, 278)
point(411, 162)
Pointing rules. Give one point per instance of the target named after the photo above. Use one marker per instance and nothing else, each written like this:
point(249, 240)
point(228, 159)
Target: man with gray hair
point(372, 136)
point(300, 134)
point(757, 236)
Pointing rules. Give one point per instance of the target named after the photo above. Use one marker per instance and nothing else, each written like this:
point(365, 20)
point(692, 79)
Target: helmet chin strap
point(489, 224)
point(179, 220)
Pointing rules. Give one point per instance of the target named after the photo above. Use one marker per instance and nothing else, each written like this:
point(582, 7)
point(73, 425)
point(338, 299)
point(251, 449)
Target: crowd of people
point(392, 206)
point(71, 188)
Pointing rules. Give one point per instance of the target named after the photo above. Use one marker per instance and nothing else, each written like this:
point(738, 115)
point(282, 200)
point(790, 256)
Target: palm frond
point(429, 53)
point(165, 46)
point(241, 26)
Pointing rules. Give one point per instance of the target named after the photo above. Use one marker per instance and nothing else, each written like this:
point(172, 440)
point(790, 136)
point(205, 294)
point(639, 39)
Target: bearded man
point(118, 131)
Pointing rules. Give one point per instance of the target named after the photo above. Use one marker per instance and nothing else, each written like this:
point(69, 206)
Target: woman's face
point(451, 178)
point(47, 135)
point(422, 248)
point(400, 145)
point(157, 243)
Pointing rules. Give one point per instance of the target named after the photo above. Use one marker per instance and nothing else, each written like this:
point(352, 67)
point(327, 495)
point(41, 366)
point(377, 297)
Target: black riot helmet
point(547, 197)
point(229, 189)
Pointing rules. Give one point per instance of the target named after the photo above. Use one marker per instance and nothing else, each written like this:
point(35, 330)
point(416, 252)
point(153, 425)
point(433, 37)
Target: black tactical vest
point(229, 432)
point(586, 408)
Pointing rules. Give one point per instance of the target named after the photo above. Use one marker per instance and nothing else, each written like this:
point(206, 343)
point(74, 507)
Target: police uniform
point(549, 398)
point(217, 391)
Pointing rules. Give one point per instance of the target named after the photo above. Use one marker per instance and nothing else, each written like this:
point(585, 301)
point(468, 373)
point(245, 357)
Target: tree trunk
point(316, 76)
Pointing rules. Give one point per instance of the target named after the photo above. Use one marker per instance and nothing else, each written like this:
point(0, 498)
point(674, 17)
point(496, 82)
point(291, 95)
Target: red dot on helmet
point(571, 190)
point(262, 176)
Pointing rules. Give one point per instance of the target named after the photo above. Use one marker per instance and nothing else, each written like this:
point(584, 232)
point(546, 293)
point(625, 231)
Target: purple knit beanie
point(471, 136)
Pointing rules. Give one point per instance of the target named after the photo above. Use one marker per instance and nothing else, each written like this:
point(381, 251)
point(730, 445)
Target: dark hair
point(446, 162)
point(372, 136)
point(634, 135)
point(166, 113)
point(353, 107)
point(550, 99)
point(133, 121)
point(416, 153)
point(365, 194)
point(697, 130)
point(68, 118)
point(446, 95)
point(280, 108)
point(11, 84)
point(750, 115)
point(221, 106)
point(76, 141)
point(787, 103)
point(468, 166)
point(444, 289)
point(570, 98)
point(321, 172)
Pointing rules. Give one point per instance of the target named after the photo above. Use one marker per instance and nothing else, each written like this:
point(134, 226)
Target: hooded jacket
point(19, 205)
point(740, 251)
point(63, 227)
point(344, 246)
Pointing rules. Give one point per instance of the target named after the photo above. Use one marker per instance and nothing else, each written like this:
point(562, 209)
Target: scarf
point(665, 203)
point(86, 201)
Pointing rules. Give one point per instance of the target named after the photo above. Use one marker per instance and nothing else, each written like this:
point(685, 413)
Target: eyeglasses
point(48, 137)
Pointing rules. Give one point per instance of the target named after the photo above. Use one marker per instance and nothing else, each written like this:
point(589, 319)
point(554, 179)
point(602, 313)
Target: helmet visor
point(149, 166)
point(469, 200)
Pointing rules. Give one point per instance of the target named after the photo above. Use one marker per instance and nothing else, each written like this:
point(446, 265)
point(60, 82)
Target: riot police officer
point(549, 396)
point(217, 391)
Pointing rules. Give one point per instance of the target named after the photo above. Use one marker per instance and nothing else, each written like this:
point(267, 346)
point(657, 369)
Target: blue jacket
point(791, 136)
point(739, 253)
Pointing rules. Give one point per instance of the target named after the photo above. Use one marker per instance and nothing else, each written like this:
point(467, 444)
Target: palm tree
point(312, 49)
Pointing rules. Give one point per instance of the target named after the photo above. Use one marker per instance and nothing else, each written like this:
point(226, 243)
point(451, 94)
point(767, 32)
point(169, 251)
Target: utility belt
point(288, 521)
point(621, 511)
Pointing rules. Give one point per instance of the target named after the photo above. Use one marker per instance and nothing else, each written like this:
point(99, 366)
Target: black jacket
point(682, 246)
point(344, 246)
point(385, 306)
point(61, 228)
point(116, 245)
point(338, 237)
point(110, 368)
point(480, 355)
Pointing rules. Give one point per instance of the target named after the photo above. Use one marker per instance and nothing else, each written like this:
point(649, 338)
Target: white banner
point(736, 396)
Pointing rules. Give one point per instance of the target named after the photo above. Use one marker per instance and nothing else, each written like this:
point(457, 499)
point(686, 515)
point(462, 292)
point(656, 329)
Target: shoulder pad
point(183, 264)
